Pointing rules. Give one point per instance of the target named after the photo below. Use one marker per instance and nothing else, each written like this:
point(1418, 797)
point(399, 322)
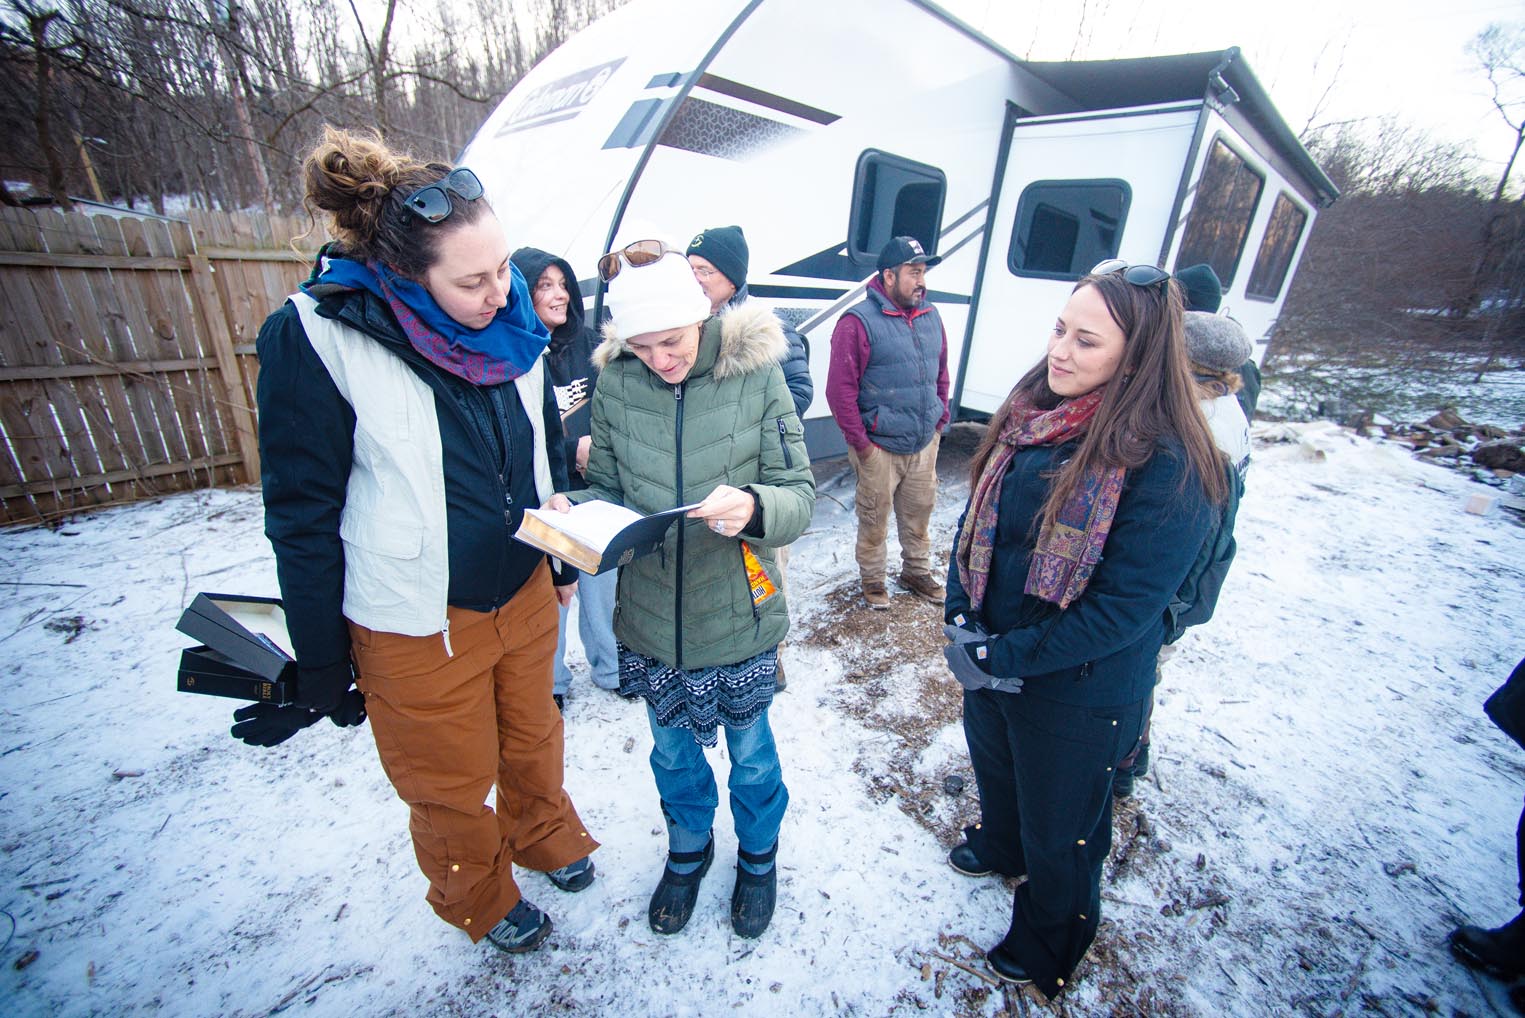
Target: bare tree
point(1322, 102)
point(1387, 266)
point(44, 37)
point(217, 99)
point(1498, 276)
point(1499, 51)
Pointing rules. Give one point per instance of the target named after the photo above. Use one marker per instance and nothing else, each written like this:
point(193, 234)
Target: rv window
point(1276, 249)
point(1220, 217)
point(894, 197)
point(1063, 227)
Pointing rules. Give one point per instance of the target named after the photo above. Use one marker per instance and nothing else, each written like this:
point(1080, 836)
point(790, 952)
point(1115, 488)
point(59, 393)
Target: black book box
point(242, 653)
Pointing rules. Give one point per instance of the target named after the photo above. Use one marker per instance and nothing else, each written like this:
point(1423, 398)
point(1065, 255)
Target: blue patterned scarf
point(502, 351)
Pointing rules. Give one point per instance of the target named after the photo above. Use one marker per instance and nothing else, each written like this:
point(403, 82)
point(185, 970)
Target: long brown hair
point(361, 184)
point(1151, 396)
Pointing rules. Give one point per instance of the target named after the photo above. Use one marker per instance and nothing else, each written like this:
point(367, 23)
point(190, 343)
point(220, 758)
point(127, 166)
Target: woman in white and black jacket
point(405, 424)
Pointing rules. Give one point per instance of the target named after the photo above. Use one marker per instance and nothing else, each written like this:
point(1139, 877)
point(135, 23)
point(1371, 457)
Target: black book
point(244, 649)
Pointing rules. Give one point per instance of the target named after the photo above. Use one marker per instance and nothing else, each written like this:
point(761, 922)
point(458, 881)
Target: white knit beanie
point(1216, 342)
point(656, 297)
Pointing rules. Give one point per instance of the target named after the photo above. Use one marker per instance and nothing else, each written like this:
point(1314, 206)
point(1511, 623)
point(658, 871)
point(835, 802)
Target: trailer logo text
point(561, 99)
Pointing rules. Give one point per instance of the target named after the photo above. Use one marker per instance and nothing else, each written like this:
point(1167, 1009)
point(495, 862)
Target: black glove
point(963, 619)
point(326, 691)
point(267, 724)
point(961, 658)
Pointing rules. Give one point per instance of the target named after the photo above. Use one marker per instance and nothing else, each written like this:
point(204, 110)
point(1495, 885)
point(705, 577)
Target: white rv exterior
point(823, 129)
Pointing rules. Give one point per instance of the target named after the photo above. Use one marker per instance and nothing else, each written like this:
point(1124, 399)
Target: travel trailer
point(824, 129)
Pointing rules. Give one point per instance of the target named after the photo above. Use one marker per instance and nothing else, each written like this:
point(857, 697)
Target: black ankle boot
point(755, 894)
point(672, 903)
point(1500, 952)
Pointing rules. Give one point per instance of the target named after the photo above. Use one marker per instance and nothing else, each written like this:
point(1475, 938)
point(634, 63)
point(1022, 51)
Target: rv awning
point(1144, 81)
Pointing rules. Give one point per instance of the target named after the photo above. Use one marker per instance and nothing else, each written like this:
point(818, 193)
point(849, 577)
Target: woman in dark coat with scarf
point(1092, 492)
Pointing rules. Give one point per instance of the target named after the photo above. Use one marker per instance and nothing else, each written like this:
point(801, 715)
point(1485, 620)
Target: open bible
point(596, 536)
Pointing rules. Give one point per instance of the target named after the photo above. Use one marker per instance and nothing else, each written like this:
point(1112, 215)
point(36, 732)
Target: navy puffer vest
point(897, 395)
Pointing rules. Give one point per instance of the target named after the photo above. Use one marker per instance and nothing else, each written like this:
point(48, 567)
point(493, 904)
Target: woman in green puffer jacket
point(694, 409)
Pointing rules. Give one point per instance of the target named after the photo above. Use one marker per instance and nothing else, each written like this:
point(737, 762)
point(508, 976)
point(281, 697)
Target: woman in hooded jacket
point(568, 360)
point(693, 408)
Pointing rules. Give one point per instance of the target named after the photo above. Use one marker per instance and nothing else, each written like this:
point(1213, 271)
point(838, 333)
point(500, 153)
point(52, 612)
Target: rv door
point(1070, 190)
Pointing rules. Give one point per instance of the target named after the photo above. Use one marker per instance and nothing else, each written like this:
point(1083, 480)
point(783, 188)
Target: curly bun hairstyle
point(360, 184)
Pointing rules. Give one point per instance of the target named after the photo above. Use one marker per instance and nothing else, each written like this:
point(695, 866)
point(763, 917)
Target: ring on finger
point(718, 526)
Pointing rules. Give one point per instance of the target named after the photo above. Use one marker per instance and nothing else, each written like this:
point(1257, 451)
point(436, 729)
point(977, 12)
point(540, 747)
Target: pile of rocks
point(1488, 454)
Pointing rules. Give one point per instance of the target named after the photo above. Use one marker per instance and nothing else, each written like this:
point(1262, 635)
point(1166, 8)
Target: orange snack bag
point(757, 577)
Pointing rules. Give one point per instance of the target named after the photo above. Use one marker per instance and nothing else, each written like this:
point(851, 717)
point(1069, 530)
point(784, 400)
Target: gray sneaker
point(521, 930)
point(574, 876)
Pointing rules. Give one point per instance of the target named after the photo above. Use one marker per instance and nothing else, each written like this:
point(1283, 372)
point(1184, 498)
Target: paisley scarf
point(1066, 552)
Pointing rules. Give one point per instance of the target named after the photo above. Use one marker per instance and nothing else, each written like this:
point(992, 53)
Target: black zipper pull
point(783, 444)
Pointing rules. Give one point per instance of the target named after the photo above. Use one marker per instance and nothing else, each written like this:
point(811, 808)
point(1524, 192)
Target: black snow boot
point(672, 903)
point(1500, 952)
point(755, 894)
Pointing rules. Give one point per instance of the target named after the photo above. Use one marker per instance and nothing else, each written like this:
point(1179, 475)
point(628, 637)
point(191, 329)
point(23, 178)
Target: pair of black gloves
point(968, 655)
point(321, 693)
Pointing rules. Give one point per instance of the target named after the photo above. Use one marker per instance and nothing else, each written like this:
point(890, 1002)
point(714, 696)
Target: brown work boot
point(924, 586)
point(874, 593)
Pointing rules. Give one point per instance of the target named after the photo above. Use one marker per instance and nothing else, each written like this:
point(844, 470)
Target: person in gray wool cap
point(1217, 346)
point(1204, 292)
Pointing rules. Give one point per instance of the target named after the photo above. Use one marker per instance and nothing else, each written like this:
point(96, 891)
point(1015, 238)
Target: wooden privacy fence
point(127, 361)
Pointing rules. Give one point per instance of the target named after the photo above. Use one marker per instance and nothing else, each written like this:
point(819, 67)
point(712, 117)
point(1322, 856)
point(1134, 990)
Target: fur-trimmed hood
point(750, 337)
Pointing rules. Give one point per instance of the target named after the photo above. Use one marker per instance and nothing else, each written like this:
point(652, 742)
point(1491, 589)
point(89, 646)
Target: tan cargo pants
point(448, 728)
point(908, 485)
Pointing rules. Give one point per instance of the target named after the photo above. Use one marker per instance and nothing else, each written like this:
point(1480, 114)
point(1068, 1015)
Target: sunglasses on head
point(636, 255)
point(1138, 275)
point(432, 203)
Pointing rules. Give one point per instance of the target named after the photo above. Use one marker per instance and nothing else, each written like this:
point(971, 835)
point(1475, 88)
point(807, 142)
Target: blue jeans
point(689, 796)
point(595, 624)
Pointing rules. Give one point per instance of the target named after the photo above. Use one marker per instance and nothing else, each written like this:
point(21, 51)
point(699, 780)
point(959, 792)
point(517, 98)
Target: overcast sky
point(1403, 57)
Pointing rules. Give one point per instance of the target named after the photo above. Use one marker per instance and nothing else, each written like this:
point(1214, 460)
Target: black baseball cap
point(906, 249)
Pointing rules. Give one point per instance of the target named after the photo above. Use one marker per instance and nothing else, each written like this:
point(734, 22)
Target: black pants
point(1519, 854)
point(1044, 772)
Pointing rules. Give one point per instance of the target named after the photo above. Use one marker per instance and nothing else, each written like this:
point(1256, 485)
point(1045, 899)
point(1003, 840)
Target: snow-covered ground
point(1326, 801)
point(1301, 381)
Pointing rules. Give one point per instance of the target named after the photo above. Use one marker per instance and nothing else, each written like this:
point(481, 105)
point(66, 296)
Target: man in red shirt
point(888, 391)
